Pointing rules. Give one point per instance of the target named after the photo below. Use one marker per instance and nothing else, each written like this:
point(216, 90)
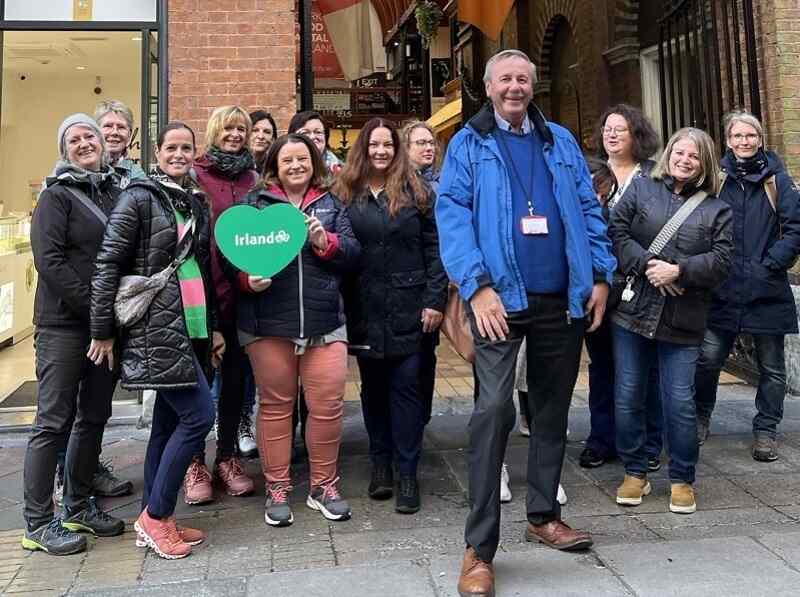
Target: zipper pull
point(569, 318)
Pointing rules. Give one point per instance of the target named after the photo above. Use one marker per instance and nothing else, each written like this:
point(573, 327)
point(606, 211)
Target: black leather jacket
point(702, 247)
point(140, 239)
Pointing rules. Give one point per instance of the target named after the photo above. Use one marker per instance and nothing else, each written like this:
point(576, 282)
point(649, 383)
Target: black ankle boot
point(381, 486)
point(408, 495)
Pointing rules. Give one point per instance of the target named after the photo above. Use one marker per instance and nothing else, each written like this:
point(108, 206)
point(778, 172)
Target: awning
point(448, 116)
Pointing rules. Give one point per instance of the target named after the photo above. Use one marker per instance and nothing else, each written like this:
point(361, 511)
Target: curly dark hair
point(645, 138)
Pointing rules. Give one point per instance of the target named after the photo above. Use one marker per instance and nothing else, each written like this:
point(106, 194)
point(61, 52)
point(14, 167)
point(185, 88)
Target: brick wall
point(778, 35)
point(225, 52)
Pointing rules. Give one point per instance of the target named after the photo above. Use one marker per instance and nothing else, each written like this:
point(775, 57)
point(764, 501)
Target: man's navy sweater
point(542, 258)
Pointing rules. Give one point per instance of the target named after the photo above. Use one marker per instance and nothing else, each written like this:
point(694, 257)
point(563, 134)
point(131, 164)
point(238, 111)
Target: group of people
point(648, 261)
point(368, 281)
point(660, 265)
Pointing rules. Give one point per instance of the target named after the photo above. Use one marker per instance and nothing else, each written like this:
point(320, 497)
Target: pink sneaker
point(162, 536)
point(231, 476)
point(188, 535)
point(197, 484)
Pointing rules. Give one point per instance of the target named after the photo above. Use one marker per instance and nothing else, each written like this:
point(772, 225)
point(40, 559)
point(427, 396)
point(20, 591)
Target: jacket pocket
point(630, 307)
point(768, 284)
point(687, 313)
point(407, 289)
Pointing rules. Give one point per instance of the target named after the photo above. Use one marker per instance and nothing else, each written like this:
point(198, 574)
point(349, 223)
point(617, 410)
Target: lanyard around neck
point(529, 190)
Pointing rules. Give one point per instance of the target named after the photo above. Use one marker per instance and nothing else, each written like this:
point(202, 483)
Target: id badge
point(534, 225)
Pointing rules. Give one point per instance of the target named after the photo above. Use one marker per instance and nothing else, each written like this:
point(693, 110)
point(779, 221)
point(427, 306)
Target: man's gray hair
point(107, 106)
point(505, 55)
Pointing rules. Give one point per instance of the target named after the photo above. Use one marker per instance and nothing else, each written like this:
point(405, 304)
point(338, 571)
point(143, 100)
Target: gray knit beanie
point(71, 121)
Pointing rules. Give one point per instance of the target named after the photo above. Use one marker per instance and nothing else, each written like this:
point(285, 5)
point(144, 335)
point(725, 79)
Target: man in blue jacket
point(521, 233)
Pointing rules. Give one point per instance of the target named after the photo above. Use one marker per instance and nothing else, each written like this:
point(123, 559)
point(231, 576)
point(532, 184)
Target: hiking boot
point(326, 499)
point(591, 459)
point(188, 535)
point(106, 484)
point(93, 520)
point(229, 473)
point(381, 485)
point(197, 484)
point(58, 488)
point(682, 500)
point(653, 464)
point(277, 512)
point(765, 448)
point(245, 440)
point(703, 429)
point(407, 495)
point(54, 539)
point(505, 490)
point(161, 536)
point(632, 490)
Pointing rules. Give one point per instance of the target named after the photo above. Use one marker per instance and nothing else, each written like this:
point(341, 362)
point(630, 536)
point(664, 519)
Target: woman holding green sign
point(398, 294)
point(291, 322)
point(161, 224)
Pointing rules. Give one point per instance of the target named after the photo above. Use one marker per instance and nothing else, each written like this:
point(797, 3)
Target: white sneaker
point(505, 491)
point(524, 430)
point(561, 496)
point(247, 443)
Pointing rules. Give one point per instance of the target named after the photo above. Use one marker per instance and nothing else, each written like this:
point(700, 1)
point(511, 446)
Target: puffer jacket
point(222, 192)
point(756, 298)
point(65, 237)
point(400, 274)
point(141, 237)
point(304, 299)
point(702, 247)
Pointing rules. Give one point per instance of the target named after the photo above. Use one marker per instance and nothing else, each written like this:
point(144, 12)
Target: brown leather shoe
point(477, 576)
point(558, 535)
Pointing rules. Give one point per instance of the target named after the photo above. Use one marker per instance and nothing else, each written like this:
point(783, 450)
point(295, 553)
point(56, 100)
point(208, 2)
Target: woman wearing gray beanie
point(67, 229)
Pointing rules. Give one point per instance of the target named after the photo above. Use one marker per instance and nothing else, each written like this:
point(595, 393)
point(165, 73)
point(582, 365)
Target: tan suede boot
point(632, 490)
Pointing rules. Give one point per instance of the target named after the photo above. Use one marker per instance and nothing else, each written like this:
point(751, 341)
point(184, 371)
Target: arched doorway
point(565, 107)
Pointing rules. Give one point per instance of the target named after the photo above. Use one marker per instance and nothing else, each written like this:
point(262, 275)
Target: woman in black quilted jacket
point(170, 348)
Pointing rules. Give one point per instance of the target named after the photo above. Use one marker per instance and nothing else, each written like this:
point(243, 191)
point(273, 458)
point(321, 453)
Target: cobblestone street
point(743, 540)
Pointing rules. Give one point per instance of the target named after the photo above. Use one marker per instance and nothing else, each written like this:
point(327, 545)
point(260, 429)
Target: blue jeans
point(635, 355)
point(602, 438)
point(394, 411)
point(181, 421)
point(717, 345)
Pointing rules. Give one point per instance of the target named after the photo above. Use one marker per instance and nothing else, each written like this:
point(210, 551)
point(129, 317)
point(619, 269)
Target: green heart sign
point(261, 242)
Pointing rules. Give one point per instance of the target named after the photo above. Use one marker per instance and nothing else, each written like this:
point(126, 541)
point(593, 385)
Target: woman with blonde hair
point(672, 239)
point(397, 295)
point(226, 173)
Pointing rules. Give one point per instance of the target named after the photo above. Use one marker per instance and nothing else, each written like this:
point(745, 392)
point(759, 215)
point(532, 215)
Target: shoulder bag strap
point(675, 222)
point(88, 203)
point(771, 189)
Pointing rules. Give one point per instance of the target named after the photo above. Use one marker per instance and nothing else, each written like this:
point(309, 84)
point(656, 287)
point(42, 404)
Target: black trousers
point(554, 349)
point(393, 411)
point(427, 372)
point(71, 388)
point(234, 369)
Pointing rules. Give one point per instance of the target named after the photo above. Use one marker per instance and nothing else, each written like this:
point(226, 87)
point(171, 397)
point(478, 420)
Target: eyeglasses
point(318, 134)
point(617, 130)
point(425, 143)
point(739, 137)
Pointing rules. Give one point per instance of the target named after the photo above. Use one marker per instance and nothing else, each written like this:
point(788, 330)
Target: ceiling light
point(80, 68)
point(137, 38)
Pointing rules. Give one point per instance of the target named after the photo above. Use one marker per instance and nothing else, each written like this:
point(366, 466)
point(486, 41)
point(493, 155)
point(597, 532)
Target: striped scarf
point(193, 294)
